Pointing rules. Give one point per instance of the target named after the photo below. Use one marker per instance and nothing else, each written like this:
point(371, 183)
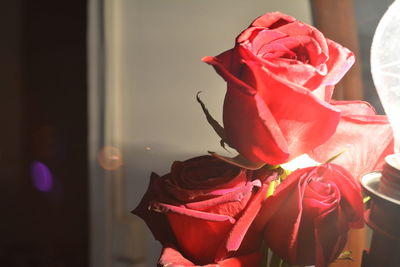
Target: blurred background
point(97, 94)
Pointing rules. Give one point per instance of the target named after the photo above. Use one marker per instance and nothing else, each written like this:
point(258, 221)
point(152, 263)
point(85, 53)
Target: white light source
point(385, 66)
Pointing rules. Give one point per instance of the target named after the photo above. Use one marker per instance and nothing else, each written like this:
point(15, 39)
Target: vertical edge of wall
point(336, 20)
point(100, 223)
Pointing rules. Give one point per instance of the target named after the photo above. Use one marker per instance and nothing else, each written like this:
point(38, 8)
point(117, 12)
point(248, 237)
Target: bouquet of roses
point(214, 210)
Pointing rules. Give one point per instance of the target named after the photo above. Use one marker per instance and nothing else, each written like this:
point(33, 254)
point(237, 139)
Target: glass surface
point(385, 66)
point(367, 15)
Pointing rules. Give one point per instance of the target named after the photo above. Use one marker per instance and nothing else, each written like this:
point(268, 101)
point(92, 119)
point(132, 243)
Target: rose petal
point(264, 37)
point(331, 232)
point(226, 74)
point(299, 30)
point(172, 257)
point(340, 61)
point(281, 230)
point(156, 221)
point(356, 108)
point(198, 239)
point(242, 225)
point(350, 192)
point(272, 20)
point(240, 161)
point(229, 204)
point(279, 234)
point(293, 71)
point(304, 120)
point(248, 260)
point(207, 177)
point(242, 121)
point(353, 136)
point(166, 208)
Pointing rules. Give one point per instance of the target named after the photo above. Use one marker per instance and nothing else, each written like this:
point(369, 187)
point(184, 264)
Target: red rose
point(310, 213)
point(172, 257)
point(279, 74)
point(364, 137)
point(204, 208)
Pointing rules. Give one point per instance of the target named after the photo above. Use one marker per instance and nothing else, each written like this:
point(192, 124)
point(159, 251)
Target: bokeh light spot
point(110, 158)
point(41, 177)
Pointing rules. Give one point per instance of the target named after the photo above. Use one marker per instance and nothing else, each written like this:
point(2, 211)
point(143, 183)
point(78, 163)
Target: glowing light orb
point(110, 158)
point(41, 177)
point(385, 66)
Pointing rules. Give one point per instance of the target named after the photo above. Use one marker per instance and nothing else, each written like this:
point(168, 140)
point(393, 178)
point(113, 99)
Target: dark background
point(43, 117)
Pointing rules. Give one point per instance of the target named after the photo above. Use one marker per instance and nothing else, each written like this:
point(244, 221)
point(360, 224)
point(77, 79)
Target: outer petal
point(340, 61)
point(281, 230)
point(303, 120)
point(157, 222)
point(191, 214)
point(240, 229)
point(365, 139)
point(330, 233)
point(225, 66)
point(172, 257)
point(199, 240)
point(287, 69)
point(230, 203)
point(255, 135)
point(281, 233)
point(274, 202)
point(272, 20)
point(249, 260)
point(350, 192)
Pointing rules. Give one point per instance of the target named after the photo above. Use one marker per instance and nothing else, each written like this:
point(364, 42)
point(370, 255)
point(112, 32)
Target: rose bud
point(202, 210)
point(280, 76)
point(310, 213)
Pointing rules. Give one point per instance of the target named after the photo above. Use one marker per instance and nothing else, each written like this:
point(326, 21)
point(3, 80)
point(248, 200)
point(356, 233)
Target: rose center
point(321, 190)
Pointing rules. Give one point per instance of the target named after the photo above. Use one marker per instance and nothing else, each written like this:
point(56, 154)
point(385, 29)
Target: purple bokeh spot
point(41, 176)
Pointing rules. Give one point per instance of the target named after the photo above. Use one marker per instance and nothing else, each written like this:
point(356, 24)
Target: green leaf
point(275, 261)
point(346, 255)
point(264, 257)
point(239, 161)
point(272, 187)
point(366, 199)
point(334, 157)
point(214, 124)
point(284, 174)
point(222, 144)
